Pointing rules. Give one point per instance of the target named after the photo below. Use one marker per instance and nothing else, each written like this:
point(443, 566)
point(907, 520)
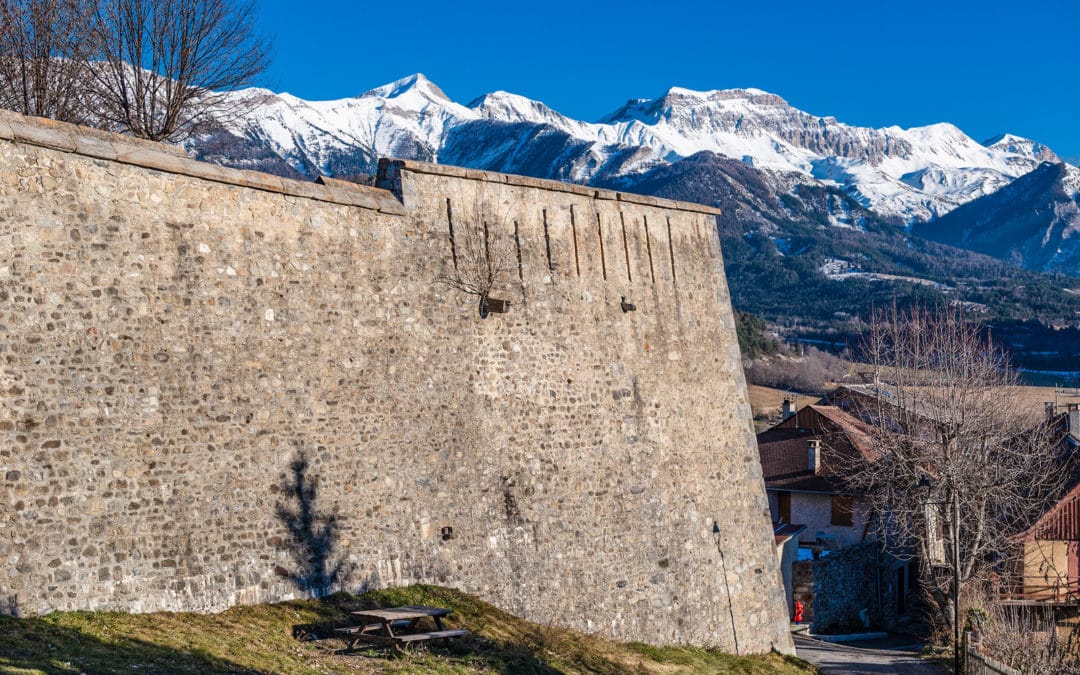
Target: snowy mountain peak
point(755, 96)
point(1021, 146)
point(506, 107)
point(416, 82)
point(678, 99)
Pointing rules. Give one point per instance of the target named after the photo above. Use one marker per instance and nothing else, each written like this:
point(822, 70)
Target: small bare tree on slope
point(483, 253)
point(959, 467)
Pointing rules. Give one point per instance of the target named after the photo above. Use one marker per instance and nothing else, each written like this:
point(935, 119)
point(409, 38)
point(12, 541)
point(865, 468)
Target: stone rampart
point(174, 336)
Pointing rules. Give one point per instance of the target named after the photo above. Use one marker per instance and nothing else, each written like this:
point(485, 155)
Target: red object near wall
point(798, 611)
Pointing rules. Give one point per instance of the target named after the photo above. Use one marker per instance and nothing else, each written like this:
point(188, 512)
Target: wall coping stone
point(388, 166)
point(116, 147)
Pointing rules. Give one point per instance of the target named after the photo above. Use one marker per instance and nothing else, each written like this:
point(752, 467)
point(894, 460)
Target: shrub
point(811, 373)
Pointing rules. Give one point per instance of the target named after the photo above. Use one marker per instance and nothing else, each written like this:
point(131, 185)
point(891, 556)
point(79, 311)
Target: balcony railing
point(1039, 590)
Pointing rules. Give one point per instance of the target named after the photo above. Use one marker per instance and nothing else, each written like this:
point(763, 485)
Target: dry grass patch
point(293, 637)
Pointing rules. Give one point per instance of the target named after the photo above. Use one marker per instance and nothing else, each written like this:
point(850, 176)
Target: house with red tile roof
point(804, 460)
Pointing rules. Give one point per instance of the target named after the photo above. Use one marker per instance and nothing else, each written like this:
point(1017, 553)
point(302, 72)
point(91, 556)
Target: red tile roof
point(784, 450)
point(1061, 522)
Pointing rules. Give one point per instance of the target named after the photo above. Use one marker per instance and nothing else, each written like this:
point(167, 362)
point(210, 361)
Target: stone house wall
point(815, 511)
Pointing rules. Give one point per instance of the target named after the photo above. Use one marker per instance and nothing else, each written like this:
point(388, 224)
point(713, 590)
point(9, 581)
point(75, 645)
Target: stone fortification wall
point(174, 336)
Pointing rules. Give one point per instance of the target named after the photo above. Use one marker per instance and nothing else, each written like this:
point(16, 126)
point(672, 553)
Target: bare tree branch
point(960, 468)
point(167, 66)
point(484, 254)
point(1028, 640)
point(44, 48)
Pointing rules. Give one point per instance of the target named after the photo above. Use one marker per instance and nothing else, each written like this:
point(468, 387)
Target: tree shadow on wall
point(312, 535)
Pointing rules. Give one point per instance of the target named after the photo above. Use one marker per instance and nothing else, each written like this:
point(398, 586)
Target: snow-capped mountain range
point(910, 175)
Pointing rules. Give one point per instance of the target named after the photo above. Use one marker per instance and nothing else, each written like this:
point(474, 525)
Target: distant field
point(1033, 397)
point(765, 402)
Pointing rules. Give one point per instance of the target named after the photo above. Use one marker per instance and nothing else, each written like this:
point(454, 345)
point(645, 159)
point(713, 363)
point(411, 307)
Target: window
point(783, 506)
point(841, 510)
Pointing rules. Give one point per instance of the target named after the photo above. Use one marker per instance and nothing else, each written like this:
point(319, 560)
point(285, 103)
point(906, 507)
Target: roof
point(1061, 522)
point(782, 532)
point(783, 450)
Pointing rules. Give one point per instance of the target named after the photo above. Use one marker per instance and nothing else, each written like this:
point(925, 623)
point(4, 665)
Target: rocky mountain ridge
point(910, 175)
point(1033, 222)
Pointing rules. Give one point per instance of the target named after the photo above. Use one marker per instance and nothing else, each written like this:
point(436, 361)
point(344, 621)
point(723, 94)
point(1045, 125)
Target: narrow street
point(843, 659)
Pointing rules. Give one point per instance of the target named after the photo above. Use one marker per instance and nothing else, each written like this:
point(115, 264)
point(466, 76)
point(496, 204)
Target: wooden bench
point(384, 626)
point(433, 635)
point(399, 624)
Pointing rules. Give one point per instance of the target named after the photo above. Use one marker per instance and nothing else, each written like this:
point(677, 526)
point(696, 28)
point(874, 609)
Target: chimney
point(1074, 420)
point(787, 410)
point(1049, 408)
point(814, 456)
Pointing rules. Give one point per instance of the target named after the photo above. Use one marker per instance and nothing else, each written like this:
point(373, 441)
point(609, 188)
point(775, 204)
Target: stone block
point(310, 190)
point(28, 130)
point(95, 146)
point(436, 169)
point(393, 207)
point(260, 181)
point(150, 158)
point(363, 196)
point(476, 174)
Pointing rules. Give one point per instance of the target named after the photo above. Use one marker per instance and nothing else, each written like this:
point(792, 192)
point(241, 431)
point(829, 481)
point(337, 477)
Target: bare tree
point(1027, 639)
point(44, 48)
point(167, 66)
point(483, 254)
point(960, 468)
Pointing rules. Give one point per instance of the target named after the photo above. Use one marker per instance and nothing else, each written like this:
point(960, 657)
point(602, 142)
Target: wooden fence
point(977, 663)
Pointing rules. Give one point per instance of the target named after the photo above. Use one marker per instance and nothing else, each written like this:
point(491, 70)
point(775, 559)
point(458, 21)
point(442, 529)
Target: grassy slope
point(264, 639)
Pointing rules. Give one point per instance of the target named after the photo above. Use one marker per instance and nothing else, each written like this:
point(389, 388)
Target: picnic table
point(396, 626)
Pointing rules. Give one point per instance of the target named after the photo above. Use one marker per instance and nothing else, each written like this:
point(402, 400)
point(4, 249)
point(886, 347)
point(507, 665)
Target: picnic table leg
point(438, 622)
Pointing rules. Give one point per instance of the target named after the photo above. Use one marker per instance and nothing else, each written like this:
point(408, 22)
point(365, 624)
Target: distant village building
point(839, 570)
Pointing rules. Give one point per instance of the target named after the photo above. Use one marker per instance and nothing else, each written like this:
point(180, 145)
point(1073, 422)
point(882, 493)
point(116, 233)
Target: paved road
point(844, 659)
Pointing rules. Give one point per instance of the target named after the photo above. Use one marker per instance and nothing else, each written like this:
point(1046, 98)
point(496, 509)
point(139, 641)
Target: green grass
point(279, 639)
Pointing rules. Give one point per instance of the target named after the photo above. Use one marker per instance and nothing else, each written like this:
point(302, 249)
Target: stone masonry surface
point(174, 335)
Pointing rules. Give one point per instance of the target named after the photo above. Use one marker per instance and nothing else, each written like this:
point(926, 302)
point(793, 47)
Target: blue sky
point(988, 67)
